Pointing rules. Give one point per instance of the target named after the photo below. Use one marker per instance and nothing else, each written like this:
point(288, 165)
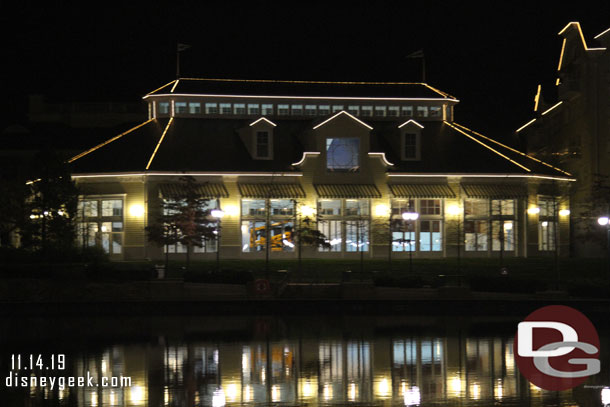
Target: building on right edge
point(574, 132)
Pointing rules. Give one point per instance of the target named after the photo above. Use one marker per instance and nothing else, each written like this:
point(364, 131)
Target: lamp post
point(410, 216)
point(218, 214)
point(605, 221)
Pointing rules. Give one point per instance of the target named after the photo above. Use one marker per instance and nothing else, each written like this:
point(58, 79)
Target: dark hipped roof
point(301, 88)
point(214, 145)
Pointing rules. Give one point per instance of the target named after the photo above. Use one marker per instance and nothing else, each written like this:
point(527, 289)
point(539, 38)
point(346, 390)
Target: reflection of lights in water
point(327, 392)
point(245, 248)
point(248, 392)
point(112, 398)
point(412, 397)
point(456, 385)
point(476, 391)
point(499, 390)
point(308, 388)
point(353, 392)
point(534, 387)
point(231, 392)
point(216, 356)
point(166, 396)
point(60, 394)
point(245, 361)
point(263, 375)
point(383, 388)
point(218, 398)
point(606, 395)
point(136, 394)
point(93, 399)
point(275, 393)
point(104, 367)
point(287, 243)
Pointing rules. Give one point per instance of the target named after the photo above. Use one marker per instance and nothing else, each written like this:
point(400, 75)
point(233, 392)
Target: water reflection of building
point(405, 370)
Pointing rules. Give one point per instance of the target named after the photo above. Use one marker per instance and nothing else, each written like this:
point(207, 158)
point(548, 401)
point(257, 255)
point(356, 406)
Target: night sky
point(491, 58)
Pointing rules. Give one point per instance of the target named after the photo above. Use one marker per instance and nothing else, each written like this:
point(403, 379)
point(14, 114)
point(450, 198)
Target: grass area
point(579, 277)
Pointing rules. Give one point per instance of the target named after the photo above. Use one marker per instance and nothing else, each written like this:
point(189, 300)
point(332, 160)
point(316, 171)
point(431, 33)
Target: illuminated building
point(574, 130)
point(355, 156)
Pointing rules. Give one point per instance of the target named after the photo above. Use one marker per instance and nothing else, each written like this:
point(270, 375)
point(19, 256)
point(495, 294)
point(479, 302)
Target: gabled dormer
point(410, 140)
point(344, 141)
point(258, 138)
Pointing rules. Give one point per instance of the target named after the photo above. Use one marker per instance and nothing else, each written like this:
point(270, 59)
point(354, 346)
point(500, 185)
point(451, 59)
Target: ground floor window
point(100, 223)
point(255, 223)
point(490, 224)
point(503, 235)
point(423, 231)
point(345, 223)
point(476, 235)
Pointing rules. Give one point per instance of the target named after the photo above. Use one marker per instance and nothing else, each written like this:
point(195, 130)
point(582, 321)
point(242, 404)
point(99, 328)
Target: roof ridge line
point(152, 157)
point(485, 145)
point(161, 87)
point(84, 153)
point(514, 150)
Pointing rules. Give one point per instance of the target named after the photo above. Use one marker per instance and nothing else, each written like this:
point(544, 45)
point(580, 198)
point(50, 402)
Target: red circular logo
point(557, 348)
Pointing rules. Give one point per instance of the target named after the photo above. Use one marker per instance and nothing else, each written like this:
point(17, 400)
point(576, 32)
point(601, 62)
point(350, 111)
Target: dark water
point(289, 361)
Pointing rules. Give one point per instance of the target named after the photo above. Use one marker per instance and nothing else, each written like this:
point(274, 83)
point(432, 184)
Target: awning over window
point(422, 191)
point(207, 190)
point(347, 191)
point(271, 190)
point(498, 191)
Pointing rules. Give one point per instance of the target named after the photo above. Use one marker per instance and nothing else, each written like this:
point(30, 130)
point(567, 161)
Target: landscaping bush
point(218, 277)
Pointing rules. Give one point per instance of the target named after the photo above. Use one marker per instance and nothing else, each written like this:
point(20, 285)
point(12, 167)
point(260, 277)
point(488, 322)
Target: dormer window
point(262, 144)
point(410, 140)
point(342, 154)
point(163, 107)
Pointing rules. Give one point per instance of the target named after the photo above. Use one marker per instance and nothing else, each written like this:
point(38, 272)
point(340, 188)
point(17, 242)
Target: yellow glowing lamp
point(136, 210)
point(307, 211)
point(453, 210)
point(382, 210)
point(564, 212)
point(533, 211)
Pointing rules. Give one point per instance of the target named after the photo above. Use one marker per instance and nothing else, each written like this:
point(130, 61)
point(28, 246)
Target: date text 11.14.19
point(38, 362)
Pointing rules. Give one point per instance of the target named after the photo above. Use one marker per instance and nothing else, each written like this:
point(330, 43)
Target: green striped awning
point(422, 191)
point(206, 190)
point(501, 191)
point(268, 190)
point(347, 191)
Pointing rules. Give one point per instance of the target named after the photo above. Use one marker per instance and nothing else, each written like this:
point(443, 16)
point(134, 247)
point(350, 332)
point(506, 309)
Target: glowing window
point(310, 110)
point(253, 109)
point(422, 111)
point(380, 111)
point(355, 110)
point(367, 111)
point(211, 108)
point(239, 108)
point(406, 111)
point(163, 107)
point(283, 110)
point(393, 111)
point(180, 107)
point(324, 109)
point(194, 107)
point(297, 110)
point(342, 154)
point(337, 108)
point(267, 109)
point(225, 108)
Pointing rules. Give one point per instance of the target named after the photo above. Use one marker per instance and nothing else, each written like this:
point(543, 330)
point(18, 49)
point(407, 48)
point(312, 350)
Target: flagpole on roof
point(420, 55)
point(179, 47)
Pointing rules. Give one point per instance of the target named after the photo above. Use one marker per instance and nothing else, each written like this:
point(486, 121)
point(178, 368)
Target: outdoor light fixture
point(545, 224)
point(508, 225)
point(307, 211)
point(410, 215)
point(603, 220)
point(136, 210)
point(564, 212)
point(217, 213)
point(231, 210)
point(533, 211)
point(453, 210)
point(382, 210)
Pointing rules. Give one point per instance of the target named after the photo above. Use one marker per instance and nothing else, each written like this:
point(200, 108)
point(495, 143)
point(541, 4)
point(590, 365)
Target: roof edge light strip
point(488, 147)
point(563, 48)
point(383, 158)
point(175, 84)
point(297, 97)
point(340, 113)
point(483, 176)
point(263, 119)
point(161, 87)
point(304, 156)
point(176, 174)
point(601, 33)
point(411, 121)
point(513, 149)
point(152, 157)
point(525, 125)
point(84, 153)
point(551, 108)
point(582, 37)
